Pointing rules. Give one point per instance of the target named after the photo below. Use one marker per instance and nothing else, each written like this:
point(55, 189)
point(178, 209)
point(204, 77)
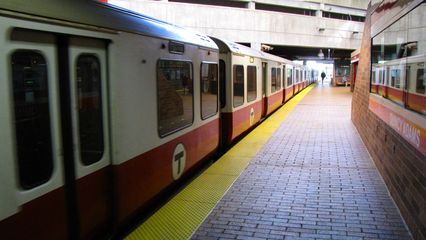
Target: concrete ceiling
point(305, 53)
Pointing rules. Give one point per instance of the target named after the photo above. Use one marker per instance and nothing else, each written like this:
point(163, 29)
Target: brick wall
point(402, 167)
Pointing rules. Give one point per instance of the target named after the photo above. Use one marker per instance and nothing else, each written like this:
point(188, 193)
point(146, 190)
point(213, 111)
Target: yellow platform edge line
point(183, 214)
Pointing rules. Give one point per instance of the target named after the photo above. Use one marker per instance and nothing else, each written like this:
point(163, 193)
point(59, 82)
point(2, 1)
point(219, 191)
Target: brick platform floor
point(313, 180)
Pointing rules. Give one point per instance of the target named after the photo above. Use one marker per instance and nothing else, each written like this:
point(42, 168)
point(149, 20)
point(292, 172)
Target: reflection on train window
point(421, 81)
point(238, 80)
point(289, 77)
point(174, 96)
point(251, 83)
point(374, 86)
point(273, 80)
point(400, 49)
point(32, 118)
point(89, 105)
point(382, 76)
point(222, 83)
point(395, 75)
point(209, 90)
point(278, 78)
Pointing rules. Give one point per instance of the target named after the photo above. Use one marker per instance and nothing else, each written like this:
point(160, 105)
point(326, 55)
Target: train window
point(32, 118)
point(278, 78)
point(421, 81)
point(395, 75)
point(209, 90)
point(238, 82)
point(251, 83)
point(174, 96)
point(222, 83)
point(382, 76)
point(289, 77)
point(89, 105)
point(273, 80)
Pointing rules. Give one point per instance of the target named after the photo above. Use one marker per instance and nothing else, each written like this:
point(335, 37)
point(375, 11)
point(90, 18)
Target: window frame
point(255, 83)
point(101, 106)
point(178, 129)
point(289, 77)
point(201, 92)
point(234, 75)
point(273, 79)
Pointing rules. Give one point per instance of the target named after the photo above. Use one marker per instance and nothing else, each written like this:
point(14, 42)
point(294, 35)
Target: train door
point(89, 123)
point(59, 122)
point(34, 183)
point(264, 80)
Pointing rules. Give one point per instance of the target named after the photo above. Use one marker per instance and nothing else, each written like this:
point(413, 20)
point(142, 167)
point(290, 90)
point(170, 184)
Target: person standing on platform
point(322, 77)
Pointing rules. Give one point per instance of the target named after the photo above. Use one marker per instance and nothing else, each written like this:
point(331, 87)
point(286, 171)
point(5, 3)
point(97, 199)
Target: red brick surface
point(402, 167)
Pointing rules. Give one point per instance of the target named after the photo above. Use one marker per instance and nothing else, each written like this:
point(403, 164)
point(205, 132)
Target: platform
point(304, 173)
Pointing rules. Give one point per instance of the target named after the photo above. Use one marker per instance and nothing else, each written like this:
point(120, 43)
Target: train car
point(251, 86)
point(102, 110)
point(273, 82)
point(241, 100)
point(341, 73)
point(312, 75)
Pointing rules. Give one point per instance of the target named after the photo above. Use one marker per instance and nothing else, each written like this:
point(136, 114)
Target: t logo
point(178, 161)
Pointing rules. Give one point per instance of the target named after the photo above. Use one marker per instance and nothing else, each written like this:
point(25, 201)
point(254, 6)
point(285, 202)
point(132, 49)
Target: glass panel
point(89, 104)
point(32, 118)
point(238, 80)
point(415, 49)
point(395, 76)
point(209, 90)
point(174, 96)
point(289, 77)
point(421, 81)
point(251, 83)
point(399, 56)
point(273, 79)
point(297, 76)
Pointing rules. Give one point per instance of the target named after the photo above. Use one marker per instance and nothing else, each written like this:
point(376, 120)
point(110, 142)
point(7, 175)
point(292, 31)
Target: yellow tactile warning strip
point(181, 216)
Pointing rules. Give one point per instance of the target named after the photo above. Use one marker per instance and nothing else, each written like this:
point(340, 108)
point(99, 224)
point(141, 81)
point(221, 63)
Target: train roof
point(244, 50)
point(225, 45)
point(106, 16)
point(277, 58)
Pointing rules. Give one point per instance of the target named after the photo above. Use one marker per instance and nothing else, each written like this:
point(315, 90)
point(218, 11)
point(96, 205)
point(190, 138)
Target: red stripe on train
point(140, 179)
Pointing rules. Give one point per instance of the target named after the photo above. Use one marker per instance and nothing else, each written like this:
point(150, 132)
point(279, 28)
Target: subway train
point(104, 109)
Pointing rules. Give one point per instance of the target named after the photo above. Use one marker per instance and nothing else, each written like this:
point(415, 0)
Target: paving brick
point(313, 179)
